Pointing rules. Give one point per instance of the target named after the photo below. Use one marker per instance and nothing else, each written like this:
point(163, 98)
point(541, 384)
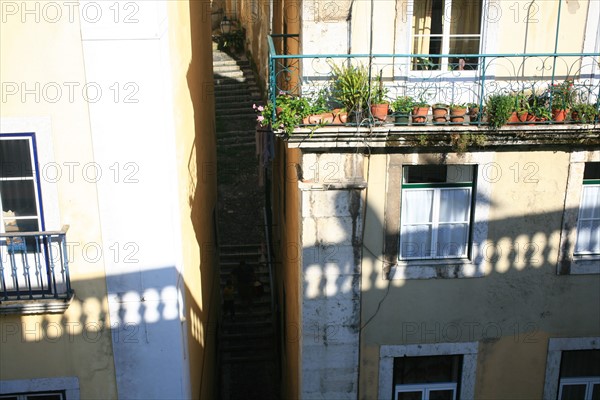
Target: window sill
point(585, 264)
point(435, 269)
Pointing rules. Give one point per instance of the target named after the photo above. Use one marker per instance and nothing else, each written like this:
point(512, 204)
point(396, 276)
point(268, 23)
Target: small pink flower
point(261, 108)
point(254, 106)
point(260, 118)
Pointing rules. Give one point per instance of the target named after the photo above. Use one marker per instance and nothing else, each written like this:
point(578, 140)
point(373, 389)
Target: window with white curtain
point(436, 211)
point(588, 221)
point(446, 27)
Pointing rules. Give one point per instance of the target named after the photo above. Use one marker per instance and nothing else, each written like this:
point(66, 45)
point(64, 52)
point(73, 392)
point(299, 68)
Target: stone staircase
point(235, 93)
point(247, 345)
point(248, 349)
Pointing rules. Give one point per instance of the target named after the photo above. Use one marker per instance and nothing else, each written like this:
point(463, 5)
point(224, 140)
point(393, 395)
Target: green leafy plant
point(440, 105)
point(420, 103)
point(499, 108)
point(562, 95)
point(350, 87)
point(319, 101)
point(289, 112)
point(402, 105)
point(583, 112)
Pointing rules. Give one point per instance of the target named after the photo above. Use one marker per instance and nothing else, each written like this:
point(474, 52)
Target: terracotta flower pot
point(559, 115)
point(339, 116)
point(514, 118)
point(457, 114)
point(439, 114)
point(380, 111)
point(474, 114)
point(419, 114)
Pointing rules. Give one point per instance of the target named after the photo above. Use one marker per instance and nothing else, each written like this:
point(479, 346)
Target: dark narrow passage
point(247, 344)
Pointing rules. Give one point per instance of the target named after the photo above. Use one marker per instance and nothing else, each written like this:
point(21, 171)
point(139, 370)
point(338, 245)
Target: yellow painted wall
point(191, 60)
point(59, 345)
point(193, 106)
point(513, 310)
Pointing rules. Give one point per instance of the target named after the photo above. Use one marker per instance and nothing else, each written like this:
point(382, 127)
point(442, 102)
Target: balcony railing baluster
point(20, 252)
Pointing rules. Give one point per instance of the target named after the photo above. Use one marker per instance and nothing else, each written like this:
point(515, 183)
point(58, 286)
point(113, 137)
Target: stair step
point(229, 73)
point(234, 359)
point(238, 99)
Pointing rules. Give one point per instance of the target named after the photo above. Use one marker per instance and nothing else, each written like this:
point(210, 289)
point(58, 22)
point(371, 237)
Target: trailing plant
point(461, 141)
point(499, 108)
point(289, 112)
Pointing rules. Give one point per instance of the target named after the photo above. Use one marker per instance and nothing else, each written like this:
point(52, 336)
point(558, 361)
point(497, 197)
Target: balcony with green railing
point(504, 97)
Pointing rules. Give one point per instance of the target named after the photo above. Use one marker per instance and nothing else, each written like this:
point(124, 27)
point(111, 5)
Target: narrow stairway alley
point(247, 344)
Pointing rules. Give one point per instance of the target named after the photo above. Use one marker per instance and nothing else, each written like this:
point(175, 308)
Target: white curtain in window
point(588, 227)
point(417, 213)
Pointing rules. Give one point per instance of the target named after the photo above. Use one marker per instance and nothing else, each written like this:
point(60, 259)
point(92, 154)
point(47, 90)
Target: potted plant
point(540, 113)
point(584, 113)
point(439, 111)
point(457, 112)
point(289, 112)
point(474, 112)
point(419, 112)
point(318, 108)
point(401, 107)
point(379, 105)
point(351, 89)
point(499, 109)
point(561, 97)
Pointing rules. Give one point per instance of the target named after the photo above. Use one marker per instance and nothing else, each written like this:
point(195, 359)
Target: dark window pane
point(596, 392)
point(441, 395)
point(429, 369)
point(15, 159)
point(573, 392)
point(8, 397)
point(45, 396)
point(410, 396)
point(425, 174)
point(19, 197)
point(579, 363)
point(592, 170)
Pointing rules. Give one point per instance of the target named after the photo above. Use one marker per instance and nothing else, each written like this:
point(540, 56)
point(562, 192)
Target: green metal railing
point(469, 78)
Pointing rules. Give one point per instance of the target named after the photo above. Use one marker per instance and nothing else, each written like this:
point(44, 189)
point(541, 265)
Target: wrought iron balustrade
point(34, 266)
point(448, 78)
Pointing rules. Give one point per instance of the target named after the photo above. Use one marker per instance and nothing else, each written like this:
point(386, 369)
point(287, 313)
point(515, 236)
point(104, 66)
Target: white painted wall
point(125, 47)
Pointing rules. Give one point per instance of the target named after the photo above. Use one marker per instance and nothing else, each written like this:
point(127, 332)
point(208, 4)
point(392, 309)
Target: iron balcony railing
point(34, 266)
point(466, 78)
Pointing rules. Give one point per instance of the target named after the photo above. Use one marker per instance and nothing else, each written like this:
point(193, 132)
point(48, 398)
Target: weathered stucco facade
point(500, 310)
point(351, 305)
